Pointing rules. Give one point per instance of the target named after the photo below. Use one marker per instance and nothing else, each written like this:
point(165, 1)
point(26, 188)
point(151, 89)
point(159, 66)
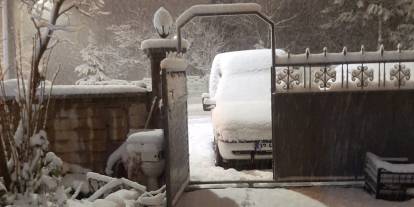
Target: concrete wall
point(86, 129)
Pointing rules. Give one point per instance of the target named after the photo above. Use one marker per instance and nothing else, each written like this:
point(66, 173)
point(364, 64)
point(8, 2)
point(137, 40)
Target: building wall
point(85, 130)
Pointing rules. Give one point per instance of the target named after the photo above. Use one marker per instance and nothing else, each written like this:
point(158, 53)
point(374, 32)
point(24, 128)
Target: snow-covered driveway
point(246, 197)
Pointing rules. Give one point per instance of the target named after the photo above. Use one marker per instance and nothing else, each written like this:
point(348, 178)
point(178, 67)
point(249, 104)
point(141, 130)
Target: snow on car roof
point(239, 62)
point(246, 60)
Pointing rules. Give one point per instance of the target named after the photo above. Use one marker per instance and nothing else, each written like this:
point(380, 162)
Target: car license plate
point(263, 146)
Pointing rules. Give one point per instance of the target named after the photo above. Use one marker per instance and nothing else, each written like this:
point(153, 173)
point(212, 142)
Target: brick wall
point(86, 129)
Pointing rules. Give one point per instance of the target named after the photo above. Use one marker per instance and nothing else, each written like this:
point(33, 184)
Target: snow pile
point(410, 191)
point(209, 9)
point(62, 90)
point(112, 82)
point(163, 43)
point(234, 197)
point(131, 149)
point(111, 87)
point(119, 193)
point(395, 168)
point(146, 140)
point(75, 178)
point(174, 62)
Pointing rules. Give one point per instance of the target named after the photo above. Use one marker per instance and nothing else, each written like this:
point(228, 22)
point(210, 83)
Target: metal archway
point(177, 177)
point(228, 10)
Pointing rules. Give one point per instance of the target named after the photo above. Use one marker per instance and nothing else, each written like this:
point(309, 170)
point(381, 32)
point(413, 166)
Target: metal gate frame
point(182, 20)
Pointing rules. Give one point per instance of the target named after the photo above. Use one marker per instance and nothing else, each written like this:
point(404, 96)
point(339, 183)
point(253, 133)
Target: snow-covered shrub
point(33, 174)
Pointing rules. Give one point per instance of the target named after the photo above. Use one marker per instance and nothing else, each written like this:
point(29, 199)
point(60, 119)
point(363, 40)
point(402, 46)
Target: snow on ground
point(245, 197)
point(202, 153)
point(349, 197)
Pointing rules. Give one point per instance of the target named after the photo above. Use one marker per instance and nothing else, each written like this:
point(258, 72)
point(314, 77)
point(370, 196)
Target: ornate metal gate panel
point(329, 109)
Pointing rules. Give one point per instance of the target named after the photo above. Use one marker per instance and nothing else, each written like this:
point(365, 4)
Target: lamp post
point(156, 50)
point(9, 48)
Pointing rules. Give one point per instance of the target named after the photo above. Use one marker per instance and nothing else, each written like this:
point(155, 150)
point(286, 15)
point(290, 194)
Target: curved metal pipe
point(258, 14)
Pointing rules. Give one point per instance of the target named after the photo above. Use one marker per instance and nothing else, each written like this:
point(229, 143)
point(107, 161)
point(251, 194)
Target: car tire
point(219, 158)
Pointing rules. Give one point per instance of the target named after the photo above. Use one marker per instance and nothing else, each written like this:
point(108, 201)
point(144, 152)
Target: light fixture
point(163, 22)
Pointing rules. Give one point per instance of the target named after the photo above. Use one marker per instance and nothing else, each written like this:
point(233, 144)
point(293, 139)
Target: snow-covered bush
point(32, 175)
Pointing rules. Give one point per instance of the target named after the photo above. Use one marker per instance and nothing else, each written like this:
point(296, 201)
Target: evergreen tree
point(371, 22)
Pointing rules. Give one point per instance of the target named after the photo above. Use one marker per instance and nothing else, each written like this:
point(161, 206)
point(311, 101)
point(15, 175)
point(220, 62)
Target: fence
point(345, 71)
point(335, 107)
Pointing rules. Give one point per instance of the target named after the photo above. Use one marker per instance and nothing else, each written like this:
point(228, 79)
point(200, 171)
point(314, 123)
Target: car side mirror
point(208, 103)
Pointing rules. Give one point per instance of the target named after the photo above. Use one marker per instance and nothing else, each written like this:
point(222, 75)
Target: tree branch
point(286, 20)
point(73, 5)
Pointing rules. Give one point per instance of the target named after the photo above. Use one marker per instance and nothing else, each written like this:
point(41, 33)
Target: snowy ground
point(247, 197)
point(202, 168)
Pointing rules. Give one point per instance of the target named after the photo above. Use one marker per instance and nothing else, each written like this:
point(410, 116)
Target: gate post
point(156, 50)
point(174, 99)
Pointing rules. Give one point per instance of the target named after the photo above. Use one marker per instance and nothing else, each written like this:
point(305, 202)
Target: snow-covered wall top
point(163, 43)
point(11, 89)
point(96, 89)
point(206, 9)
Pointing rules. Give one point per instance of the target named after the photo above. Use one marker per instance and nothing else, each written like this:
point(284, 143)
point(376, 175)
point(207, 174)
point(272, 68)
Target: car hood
point(243, 121)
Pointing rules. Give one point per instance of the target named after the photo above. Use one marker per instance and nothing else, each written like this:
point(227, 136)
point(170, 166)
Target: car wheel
point(219, 159)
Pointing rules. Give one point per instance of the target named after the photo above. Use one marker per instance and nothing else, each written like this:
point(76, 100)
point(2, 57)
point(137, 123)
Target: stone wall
point(86, 129)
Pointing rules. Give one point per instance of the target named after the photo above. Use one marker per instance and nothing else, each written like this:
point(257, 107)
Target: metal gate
point(174, 90)
point(329, 109)
point(175, 97)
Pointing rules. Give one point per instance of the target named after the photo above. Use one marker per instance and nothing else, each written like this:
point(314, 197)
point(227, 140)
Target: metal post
point(156, 55)
point(9, 47)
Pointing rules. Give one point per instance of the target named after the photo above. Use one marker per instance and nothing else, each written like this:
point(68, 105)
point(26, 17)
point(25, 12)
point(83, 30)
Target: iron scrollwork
point(363, 75)
point(400, 73)
point(325, 76)
point(288, 77)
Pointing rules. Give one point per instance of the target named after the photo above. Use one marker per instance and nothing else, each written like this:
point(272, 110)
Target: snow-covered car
point(240, 101)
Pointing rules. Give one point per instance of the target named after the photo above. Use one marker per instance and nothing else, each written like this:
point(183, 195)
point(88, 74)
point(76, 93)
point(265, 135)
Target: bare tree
point(23, 117)
point(45, 15)
point(203, 45)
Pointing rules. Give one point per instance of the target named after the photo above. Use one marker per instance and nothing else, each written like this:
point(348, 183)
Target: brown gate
point(329, 109)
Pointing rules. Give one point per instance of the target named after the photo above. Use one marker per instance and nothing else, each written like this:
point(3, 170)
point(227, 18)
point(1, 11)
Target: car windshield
point(241, 76)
